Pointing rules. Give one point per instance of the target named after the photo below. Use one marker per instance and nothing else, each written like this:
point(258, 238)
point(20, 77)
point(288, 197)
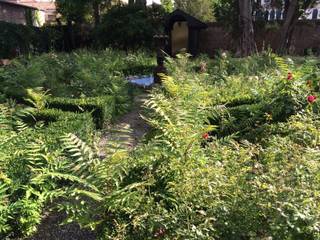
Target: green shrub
point(19, 39)
point(129, 27)
point(101, 108)
point(33, 168)
point(241, 100)
point(80, 124)
point(184, 184)
point(258, 179)
point(55, 123)
point(76, 75)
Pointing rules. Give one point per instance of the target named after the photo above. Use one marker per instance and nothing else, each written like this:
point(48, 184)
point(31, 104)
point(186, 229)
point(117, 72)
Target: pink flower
point(205, 136)
point(160, 232)
point(311, 99)
point(290, 76)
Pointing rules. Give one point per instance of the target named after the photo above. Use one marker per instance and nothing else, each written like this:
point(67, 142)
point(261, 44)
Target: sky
point(153, 1)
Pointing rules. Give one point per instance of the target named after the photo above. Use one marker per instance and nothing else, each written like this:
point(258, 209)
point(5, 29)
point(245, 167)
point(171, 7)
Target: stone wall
point(305, 37)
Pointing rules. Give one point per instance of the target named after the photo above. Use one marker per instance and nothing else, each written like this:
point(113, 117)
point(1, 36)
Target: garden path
point(128, 129)
point(135, 127)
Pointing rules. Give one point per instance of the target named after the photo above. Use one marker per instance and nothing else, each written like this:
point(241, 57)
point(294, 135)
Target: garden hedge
point(57, 123)
point(138, 70)
point(102, 108)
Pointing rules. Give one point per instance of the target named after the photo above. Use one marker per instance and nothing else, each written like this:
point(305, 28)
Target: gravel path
point(129, 128)
point(50, 229)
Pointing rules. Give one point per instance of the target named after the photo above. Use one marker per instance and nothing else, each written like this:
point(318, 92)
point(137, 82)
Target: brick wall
point(213, 38)
point(306, 36)
point(12, 13)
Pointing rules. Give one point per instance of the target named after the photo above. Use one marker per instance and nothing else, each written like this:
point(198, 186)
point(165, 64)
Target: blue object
point(144, 81)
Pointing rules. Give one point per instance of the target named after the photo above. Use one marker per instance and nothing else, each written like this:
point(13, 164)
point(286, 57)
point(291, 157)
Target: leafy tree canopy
point(202, 9)
point(167, 5)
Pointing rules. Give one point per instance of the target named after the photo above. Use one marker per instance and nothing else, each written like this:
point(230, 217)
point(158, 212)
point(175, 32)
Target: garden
point(232, 149)
point(221, 147)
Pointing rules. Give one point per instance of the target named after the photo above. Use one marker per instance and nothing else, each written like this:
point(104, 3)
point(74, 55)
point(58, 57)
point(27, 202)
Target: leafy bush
point(19, 39)
point(57, 123)
point(101, 108)
point(129, 27)
point(185, 184)
point(250, 174)
point(74, 75)
point(33, 168)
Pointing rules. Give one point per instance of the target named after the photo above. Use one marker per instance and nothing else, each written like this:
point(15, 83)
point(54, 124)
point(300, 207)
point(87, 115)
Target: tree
point(293, 10)
point(167, 5)
point(237, 16)
point(202, 9)
point(247, 42)
point(79, 11)
point(130, 26)
point(72, 11)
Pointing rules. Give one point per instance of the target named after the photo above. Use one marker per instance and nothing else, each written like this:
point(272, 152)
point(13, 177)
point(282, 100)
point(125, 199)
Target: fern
point(37, 97)
point(285, 66)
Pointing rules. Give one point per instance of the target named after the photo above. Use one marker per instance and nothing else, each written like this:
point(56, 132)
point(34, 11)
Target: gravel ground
point(133, 126)
point(50, 229)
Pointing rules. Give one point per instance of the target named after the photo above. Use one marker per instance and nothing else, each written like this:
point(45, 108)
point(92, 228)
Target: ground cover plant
point(40, 105)
point(233, 154)
point(192, 179)
point(75, 75)
point(77, 82)
point(34, 170)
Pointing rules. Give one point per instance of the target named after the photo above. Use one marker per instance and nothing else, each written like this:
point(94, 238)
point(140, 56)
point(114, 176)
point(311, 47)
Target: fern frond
point(282, 64)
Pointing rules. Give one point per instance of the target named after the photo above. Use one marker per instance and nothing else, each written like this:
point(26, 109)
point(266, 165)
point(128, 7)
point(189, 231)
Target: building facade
point(272, 13)
point(35, 12)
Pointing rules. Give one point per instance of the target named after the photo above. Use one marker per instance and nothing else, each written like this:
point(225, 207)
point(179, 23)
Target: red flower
point(311, 99)
point(205, 136)
point(290, 76)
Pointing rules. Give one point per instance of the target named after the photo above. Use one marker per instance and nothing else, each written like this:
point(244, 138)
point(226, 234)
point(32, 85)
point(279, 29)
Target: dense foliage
point(130, 27)
point(34, 167)
point(233, 154)
point(19, 39)
point(201, 9)
point(254, 176)
point(76, 75)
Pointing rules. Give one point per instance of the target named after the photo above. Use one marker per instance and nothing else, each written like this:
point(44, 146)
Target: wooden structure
point(183, 31)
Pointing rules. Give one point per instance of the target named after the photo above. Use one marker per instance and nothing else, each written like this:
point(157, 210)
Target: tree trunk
point(71, 40)
point(291, 17)
point(96, 13)
point(247, 42)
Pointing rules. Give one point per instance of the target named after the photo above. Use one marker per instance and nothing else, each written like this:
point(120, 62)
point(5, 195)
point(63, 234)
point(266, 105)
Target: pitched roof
point(40, 5)
point(179, 15)
point(45, 6)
